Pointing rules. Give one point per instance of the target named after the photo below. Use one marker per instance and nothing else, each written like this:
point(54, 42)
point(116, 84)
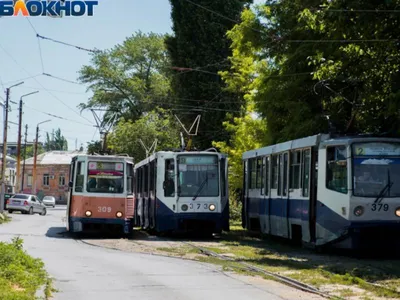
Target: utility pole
point(4, 160)
point(35, 157)
point(19, 139)
point(23, 166)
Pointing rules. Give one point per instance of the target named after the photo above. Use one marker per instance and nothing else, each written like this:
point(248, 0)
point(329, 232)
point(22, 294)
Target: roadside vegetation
point(4, 218)
point(21, 275)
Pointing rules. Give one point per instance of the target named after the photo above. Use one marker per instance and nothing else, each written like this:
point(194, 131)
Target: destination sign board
point(198, 160)
point(376, 149)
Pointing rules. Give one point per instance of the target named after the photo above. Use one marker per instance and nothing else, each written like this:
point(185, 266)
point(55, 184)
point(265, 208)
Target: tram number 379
point(379, 207)
point(104, 209)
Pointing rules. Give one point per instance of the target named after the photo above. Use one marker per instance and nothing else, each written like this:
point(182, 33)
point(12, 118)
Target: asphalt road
point(85, 272)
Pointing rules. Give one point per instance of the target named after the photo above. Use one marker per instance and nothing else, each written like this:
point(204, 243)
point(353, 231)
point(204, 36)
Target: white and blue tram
point(182, 192)
point(325, 191)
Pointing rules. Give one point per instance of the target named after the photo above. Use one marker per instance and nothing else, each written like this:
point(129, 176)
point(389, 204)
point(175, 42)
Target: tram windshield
point(376, 169)
point(105, 177)
point(198, 176)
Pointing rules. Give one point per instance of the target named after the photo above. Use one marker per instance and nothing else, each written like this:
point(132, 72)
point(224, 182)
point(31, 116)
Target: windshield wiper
point(200, 188)
point(385, 188)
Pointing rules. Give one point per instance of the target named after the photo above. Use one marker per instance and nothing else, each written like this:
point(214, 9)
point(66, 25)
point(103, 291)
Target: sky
point(21, 57)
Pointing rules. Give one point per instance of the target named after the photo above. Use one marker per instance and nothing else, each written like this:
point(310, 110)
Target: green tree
point(30, 150)
point(310, 73)
point(200, 41)
point(94, 147)
point(56, 142)
point(247, 133)
point(157, 124)
point(129, 79)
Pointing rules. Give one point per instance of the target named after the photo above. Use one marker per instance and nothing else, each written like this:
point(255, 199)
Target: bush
point(20, 274)
point(235, 207)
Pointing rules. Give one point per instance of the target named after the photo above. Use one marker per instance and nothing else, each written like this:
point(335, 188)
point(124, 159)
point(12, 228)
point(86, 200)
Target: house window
point(61, 180)
point(46, 180)
point(29, 180)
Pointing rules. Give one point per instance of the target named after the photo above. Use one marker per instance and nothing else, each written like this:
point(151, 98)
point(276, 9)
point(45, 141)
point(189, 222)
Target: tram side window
point(259, 173)
point(274, 173)
point(252, 173)
point(336, 169)
point(266, 179)
point(146, 180)
point(295, 164)
point(80, 176)
point(129, 179)
point(152, 185)
point(223, 175)
point(169, 177)
point(306, 172)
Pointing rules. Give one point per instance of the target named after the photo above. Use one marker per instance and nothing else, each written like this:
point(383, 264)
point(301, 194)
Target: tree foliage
point(30, 151)
point(319, 59)
point(248, 133)
point(129, 79)
point(56, 142)
point(157, 124)
point(94, 147)
point(200, 42)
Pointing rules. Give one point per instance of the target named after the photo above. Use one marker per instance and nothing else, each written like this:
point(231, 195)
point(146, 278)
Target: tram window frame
point(223, 176)
point(263, 175)
point(140, 181)
point(146, 180)
point(252, 173)
point(266, 180)
point(285, 166)
point(295, 169)
point(129, 179)
point(342, 167)
point(168, 163)
point(152, 180)
point(275, 172)
point(259, 162)
point(306, 171)
point(80, 176)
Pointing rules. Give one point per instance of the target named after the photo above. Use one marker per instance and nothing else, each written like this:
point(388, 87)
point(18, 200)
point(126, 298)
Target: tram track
point(243, 265)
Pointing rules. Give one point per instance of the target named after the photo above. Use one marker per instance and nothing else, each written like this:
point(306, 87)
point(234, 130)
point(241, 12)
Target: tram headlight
point(88, 213)
point(119, 214)
point(212, 207)
point(184, 207)
point(397, 212)
point(358, 211)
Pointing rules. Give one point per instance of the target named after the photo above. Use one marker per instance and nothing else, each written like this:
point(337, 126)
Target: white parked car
point(49, 201)
point(26, 204)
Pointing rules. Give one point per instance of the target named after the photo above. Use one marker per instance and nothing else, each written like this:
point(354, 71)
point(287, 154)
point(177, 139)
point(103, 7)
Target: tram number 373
point(198, 205)
point(104, 209)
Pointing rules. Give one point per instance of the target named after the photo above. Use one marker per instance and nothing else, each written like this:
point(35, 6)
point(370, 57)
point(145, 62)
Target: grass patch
point(21, 275)
point(180, 251)
point(280, 256)
point(4, 218)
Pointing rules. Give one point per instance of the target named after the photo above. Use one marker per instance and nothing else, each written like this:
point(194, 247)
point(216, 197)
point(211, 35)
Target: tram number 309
point(379, 207)
point(104, 209)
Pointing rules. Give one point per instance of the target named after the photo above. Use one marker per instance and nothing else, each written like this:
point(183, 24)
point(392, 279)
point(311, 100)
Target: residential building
point(52, 174)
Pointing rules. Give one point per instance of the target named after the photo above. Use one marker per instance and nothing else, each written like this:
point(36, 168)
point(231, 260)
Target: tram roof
point(311, 141)
point(172, 153)
point(105, 157)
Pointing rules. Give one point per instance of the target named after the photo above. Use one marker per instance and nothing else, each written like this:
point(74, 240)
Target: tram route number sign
point(379, 207)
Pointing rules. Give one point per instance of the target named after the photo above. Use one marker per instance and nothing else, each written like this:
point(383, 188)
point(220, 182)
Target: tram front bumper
point(78, 224)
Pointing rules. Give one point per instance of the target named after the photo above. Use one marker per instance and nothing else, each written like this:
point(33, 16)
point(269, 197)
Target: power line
point(22, 79)
point(58, 117)
point(277, 39)
point(56, 91)
point(55, 97)
point(66, 44)
point(62, 79)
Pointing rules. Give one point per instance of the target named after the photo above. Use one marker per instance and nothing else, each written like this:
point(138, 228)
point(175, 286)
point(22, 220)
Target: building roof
point(54, 158)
